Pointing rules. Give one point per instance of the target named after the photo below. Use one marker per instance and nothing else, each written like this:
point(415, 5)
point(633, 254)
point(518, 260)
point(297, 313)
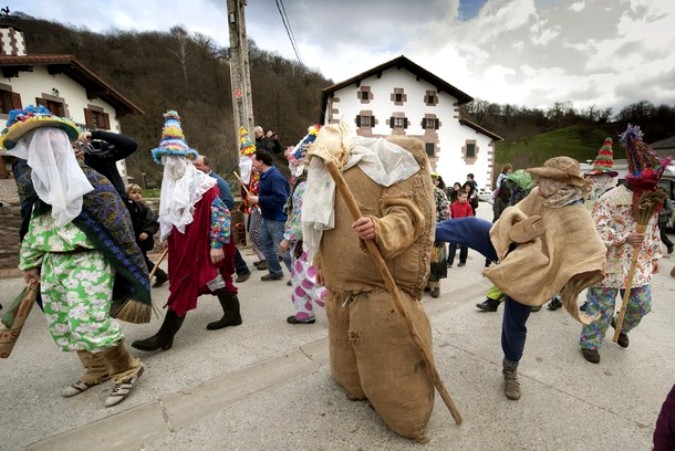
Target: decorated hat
point(645, 167)
point(564, 169)
point(173, 140)
point(246, 146)
point(297, 155)
point(604, 162)
point(21, 121)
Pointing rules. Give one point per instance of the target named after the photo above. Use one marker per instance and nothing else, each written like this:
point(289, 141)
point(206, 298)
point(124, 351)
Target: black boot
point(231, 316)
point(164, 337)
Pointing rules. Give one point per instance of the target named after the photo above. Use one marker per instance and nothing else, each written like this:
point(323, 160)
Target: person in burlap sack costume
point(372, 354)
point(533, 243)
point(80, 247)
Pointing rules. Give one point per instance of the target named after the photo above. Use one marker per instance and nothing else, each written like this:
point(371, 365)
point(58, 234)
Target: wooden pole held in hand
point(374, 251)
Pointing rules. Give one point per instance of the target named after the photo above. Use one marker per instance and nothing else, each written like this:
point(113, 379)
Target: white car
point(485, 194)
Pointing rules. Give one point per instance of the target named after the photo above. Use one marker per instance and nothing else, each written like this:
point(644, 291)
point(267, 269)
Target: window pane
point(430, 149)
point(470, 150)
point(365, 121)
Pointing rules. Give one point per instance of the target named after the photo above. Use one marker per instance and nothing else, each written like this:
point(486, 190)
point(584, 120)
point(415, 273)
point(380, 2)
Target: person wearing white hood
point(79, 244)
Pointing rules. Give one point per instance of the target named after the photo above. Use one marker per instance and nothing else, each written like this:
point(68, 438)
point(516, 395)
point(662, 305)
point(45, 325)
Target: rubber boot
point(125, 370)
point(164, 337)
point(231, 317)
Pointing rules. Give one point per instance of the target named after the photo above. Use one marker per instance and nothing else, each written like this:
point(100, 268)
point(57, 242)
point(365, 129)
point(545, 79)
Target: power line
point(289, 31)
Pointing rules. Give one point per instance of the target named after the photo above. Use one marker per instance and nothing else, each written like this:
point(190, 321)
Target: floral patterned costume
point(305, 289)
point(614, 222)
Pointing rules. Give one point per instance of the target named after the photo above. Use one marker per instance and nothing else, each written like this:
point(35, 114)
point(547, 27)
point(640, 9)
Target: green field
point(578, 141)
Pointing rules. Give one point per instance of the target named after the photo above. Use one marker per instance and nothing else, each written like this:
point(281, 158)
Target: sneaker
point(268, 277)
point(592, 355)
point(449, 265)
point(511, 385)
point(435, 292)
point(289, 283)
point(670, 249)
point(488, 305)
point(535, 308)
point(261, 266)
point(120, 391)
point(293, 320)
point(461, 264)
point(77, 388)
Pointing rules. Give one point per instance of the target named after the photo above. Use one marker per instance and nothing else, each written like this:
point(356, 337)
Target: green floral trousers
point(76, 291)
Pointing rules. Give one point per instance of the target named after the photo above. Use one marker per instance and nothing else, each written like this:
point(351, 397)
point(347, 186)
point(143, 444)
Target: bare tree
point(182, 39)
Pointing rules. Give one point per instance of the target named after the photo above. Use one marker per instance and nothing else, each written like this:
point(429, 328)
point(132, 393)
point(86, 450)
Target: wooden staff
point(647, 207)
point(374, 251)
point(161, 257)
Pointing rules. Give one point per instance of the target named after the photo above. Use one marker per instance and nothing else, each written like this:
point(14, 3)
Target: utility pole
point(240, 75)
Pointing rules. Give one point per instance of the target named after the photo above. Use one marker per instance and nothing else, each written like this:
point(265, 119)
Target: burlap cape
point(566, 259)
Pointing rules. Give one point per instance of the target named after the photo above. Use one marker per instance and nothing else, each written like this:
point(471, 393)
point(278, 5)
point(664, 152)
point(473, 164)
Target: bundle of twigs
point(647, 207)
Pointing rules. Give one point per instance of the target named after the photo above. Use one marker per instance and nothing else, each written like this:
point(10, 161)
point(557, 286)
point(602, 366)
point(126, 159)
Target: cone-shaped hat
point(604, 162)
point(173, 140)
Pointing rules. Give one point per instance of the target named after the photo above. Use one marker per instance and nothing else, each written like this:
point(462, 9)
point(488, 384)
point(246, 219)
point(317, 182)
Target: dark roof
point(68, 65)
point(667, 143)
point(400, 62)
point(480, 129)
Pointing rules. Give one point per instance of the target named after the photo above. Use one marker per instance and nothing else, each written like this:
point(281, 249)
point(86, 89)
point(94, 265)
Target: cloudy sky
point(602, 53)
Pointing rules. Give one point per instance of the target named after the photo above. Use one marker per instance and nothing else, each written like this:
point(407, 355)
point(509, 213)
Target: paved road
point(266, 384)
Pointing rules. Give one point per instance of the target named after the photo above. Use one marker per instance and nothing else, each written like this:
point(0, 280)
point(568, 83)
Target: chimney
point(12, 41)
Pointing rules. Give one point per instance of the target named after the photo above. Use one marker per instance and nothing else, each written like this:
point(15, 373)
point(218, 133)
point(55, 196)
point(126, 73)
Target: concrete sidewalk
point(266, 384)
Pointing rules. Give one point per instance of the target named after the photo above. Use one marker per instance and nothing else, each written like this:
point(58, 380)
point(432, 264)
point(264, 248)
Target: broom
point(648, 205)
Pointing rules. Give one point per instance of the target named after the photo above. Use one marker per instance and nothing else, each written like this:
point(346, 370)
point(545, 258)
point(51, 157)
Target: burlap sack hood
point(566, 259)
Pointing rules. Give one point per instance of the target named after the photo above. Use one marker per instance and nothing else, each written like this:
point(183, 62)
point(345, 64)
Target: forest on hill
point(190, 73)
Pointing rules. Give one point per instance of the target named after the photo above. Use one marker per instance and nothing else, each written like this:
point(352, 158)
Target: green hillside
point(580, 142)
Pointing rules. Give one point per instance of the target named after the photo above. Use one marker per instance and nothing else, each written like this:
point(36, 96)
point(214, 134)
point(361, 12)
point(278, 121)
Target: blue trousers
point(271, 234)
point(240, 265)
point(475, 233)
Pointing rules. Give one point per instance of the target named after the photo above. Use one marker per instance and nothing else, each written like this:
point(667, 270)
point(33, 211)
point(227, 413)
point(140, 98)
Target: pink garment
point(305, 289)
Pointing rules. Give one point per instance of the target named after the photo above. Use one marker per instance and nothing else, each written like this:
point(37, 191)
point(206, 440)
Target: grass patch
point(580, 142)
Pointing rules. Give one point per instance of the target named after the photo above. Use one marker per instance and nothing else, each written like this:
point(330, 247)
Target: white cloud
point(523, 52)
point(577, 7)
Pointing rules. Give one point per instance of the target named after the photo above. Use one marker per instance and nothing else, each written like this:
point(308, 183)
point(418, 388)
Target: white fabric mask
point(57, 178)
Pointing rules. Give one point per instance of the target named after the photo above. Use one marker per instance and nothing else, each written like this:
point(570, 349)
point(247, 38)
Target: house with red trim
point(400, 97)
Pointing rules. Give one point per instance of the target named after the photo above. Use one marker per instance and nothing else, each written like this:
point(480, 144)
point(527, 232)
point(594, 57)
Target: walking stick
point(647, 206)
point(161, 257)
point(374, 251)
point(241, 183)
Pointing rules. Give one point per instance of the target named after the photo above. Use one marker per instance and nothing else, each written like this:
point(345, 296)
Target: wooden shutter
point(42, 102)
point(391, 122)
point(405, 122)
point(16, 100)
point(89, 118)
point(372, 121)
point(358, 120)
point(106, 120)
point(438, 124)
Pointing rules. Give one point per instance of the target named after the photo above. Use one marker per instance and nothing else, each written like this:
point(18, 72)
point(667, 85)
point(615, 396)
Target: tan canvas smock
point(362, 314)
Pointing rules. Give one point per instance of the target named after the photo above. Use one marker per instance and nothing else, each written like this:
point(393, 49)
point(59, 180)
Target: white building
point(401, 98)
point(60, 83)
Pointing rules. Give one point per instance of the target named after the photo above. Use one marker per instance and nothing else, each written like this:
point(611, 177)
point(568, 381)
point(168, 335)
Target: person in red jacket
point(461, 208)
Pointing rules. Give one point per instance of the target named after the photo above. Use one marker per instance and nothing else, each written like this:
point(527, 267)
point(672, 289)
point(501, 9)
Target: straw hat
point(564, 169)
